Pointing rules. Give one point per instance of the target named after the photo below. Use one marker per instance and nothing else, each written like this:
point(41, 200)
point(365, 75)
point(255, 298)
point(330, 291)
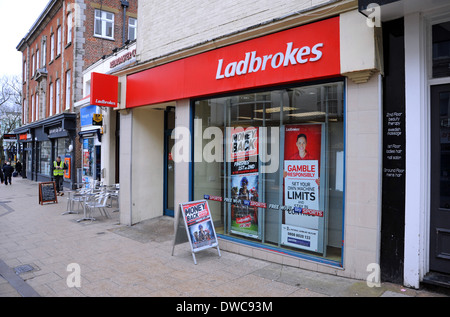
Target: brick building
point(67, 38)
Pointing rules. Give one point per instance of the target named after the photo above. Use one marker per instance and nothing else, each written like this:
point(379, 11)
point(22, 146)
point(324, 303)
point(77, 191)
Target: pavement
point(44, 253)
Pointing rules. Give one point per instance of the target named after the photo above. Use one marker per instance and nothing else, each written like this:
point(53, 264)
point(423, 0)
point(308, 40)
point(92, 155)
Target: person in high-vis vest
point(58, 173)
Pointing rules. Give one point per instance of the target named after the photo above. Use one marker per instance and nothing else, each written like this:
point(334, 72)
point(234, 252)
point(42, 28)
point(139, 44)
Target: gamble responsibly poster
point(301, 186)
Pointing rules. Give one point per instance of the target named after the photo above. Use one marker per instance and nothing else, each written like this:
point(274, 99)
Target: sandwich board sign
point(199, 226)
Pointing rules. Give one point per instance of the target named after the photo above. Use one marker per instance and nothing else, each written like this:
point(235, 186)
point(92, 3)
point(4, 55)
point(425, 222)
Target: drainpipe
point(125, 5)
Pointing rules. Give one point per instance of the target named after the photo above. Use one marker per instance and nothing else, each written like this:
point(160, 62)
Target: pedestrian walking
point(8, 171)
point(19, 168)
point(58, 173)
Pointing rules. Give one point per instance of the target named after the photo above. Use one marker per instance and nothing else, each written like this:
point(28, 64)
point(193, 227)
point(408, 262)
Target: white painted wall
point(147, 164)
point(196, 21)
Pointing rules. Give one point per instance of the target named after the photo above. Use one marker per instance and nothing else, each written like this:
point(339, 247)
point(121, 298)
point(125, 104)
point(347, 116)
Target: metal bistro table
point(86, 198)
point(70, 202)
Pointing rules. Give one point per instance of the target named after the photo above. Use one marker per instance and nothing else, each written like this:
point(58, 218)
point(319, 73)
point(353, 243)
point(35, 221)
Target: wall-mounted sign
point(122, 59)
point(97, 119)
point(104, 90)
point(309, 51)
point(55, 130)
point(86, 114)
point(25, 136)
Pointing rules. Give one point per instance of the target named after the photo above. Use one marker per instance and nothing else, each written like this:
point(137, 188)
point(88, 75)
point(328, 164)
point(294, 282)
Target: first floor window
point(25, 111)
point(59, 40)
point(132, 28)
point(37, 113)
point(38, 64)
point(69, 27)
point(50, 103)
point(33, 69)
point(276, 160)
point(58, 96)
point(32, 109)
point(52, 47)
point(104, 24)
point(68, 89)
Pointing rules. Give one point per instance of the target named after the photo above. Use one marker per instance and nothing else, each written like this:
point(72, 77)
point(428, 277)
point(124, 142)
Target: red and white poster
point(243, 155)
point(243, 143)
point(199, 225)
point(301, 186)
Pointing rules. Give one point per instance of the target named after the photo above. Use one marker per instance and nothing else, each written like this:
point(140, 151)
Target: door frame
point(418, 82)
point(435, 159)
point(167, 133)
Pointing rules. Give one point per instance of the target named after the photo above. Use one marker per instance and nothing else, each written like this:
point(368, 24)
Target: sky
point(16, 19)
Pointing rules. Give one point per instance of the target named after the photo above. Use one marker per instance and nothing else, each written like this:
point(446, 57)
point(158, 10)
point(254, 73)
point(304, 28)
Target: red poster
point(311, 141)
point(301, 226)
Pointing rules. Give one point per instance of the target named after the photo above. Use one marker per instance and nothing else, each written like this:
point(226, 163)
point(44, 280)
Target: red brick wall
point(96, 47)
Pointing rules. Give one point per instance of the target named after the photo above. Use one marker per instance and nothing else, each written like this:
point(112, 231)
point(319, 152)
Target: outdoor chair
point(99, 202)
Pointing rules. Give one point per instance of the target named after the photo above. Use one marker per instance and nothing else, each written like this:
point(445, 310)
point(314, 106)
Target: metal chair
point(99, 202)
point(113, 190)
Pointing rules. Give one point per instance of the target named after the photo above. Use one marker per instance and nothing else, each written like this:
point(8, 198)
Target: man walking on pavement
point(8, 171)
point(58, 173)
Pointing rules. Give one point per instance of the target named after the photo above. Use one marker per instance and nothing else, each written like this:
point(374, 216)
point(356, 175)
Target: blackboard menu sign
point(47, 193)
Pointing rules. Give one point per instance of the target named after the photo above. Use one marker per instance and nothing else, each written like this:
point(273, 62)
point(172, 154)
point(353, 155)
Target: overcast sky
point(16, 19)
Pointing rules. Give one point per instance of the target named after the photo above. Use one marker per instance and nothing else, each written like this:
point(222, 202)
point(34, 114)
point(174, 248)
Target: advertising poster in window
point(301, 173)
point(244, 181)
point(199, 225)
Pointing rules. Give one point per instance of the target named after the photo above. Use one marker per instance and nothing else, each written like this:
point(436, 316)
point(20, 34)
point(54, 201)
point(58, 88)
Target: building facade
point(101, 140)
point(67, 38)
point(415, 245)
point(217, 107)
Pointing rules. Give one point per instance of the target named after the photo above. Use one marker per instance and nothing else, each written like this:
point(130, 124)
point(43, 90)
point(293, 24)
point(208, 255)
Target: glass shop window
point(271, 164)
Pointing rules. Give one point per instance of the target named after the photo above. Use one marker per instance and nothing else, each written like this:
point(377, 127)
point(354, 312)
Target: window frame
point(57, 96)
point(37, 59)
point(50, 101)
point(301, 254)
point(58, 41)
point(69, 26)
point(44, 52)
point(52, 46)
point(68, 89)
point(33, 68)
point(103, 22)
point(130, 27)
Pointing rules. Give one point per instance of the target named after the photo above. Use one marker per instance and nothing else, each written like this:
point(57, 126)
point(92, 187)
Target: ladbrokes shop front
point(280, 133)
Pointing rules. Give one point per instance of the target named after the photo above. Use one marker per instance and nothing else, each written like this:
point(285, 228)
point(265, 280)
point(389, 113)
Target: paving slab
point(114, 260)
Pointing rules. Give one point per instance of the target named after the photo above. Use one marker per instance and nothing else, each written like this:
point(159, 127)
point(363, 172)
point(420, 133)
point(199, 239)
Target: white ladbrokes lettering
point(253, 63)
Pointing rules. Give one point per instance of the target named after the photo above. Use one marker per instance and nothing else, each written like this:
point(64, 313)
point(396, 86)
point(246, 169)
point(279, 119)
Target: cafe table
point(86, 197)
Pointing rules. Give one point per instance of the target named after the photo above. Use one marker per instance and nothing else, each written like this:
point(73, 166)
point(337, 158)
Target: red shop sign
point(104, 90)
point(307, 52)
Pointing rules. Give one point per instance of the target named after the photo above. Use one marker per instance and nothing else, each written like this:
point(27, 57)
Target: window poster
point(302, 220)
point(243, 155)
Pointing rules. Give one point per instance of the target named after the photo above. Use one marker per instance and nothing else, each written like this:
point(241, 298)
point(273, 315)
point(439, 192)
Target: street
point(62, 257)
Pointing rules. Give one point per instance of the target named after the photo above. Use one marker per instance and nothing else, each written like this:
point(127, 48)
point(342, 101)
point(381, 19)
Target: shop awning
point(90, 133)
